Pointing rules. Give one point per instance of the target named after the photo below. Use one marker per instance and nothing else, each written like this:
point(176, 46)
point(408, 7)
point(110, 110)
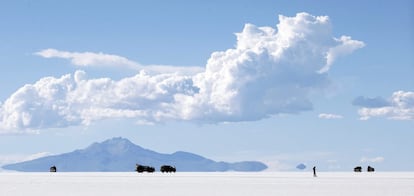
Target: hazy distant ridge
point(119, 154)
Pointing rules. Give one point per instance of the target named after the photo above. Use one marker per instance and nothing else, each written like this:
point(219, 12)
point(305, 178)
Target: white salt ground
point(208, 184)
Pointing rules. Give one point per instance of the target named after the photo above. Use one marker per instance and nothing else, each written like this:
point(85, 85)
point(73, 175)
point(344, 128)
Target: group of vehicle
point(359, 169)
point(149, 169)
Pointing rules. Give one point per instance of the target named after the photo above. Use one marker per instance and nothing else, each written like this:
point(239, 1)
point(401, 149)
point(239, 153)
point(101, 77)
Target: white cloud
point(372, 159)
point(85, 59)
point(400, 107)
point(330, 116)
point(270, 71)
point(346, 46)
point(88, 58)
point(76, 100)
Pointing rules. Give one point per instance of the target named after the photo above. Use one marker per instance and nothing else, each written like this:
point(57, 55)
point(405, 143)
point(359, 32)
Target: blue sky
point(322, 83)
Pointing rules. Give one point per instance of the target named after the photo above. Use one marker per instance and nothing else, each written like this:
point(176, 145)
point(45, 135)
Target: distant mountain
point(301, 166)
point(119, 155)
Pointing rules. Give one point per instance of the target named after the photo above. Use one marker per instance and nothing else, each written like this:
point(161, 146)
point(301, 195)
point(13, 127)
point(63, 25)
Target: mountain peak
point(117, 140)
point(113, 146)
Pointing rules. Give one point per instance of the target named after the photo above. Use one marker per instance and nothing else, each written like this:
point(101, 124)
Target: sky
point(322, 83)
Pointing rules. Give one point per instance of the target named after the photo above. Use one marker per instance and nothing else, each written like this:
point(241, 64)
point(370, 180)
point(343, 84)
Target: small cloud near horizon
point(378, 159)
point(330, 116)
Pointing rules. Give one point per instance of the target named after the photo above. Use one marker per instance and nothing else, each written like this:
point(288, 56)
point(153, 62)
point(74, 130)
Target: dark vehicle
point(167, 168)
point(358, 169)
point(53, 169)
point(370, 169)
point(144, 168)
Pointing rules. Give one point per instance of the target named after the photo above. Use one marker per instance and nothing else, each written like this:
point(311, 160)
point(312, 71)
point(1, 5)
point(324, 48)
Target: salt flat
point(200, 184)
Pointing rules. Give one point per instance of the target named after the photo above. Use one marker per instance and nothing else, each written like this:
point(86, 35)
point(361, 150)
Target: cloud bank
point(269, 71)
point(399, 107)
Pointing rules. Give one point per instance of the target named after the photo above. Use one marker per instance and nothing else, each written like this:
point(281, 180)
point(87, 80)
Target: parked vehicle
point(370, 169)
point(53, 169)
point(167, 168)
point(144, 168)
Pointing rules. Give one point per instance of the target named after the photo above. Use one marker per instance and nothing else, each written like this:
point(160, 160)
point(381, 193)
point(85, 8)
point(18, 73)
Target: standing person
point(314, 171)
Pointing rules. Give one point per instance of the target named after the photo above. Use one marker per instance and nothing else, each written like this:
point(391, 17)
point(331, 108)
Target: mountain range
point(121, 155)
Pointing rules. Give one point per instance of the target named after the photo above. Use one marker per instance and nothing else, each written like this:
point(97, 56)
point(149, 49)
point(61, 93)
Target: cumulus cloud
point(89, 59)
point(75, 100)
point(330, 116)
point(269, 71)
point(399, 107)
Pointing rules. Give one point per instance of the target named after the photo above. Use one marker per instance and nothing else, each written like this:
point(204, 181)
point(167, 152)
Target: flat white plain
point(207, 184)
